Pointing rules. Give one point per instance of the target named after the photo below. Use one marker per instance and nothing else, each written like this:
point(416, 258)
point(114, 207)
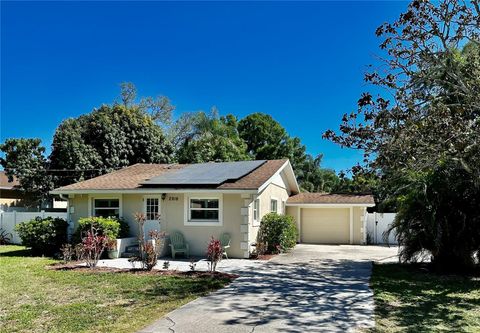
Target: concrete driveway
point(315, 288)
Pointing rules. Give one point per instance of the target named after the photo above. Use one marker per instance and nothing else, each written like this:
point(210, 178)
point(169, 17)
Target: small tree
point(214, 253)
point(152, 249)
point(148, 251)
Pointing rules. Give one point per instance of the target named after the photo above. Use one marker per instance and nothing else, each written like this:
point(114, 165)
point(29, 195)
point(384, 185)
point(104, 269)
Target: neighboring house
point(208, 199)
point(60, 204)
point(9, 193)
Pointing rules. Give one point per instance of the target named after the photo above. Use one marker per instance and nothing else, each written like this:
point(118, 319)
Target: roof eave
point(152, 190)
point(295, 188)
point(343, 204)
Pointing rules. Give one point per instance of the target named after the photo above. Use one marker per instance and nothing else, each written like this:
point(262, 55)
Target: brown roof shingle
point(326, 198)
point(130, 178)
point(124, 179)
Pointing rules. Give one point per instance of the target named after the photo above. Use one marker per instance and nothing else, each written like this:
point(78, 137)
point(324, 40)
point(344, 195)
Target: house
point(208, 199)
point(9, 193)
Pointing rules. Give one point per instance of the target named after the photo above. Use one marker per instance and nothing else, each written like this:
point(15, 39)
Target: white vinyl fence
point(377, 224)
point(8, 221)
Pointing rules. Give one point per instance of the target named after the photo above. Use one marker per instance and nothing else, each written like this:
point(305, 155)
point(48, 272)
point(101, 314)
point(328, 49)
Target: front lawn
point(409, 299)
point(34, 299)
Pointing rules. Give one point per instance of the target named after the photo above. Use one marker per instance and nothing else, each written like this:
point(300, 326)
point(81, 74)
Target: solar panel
point(206, 173)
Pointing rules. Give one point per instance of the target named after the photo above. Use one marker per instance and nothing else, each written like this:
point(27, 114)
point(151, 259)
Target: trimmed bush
point(277, 233)
point(104, 226)
point(124, 229)
point(44, 236)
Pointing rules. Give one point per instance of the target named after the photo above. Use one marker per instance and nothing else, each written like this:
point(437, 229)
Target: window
point(273, 205)
point(256, 211)
point(152, 208)
point(204, 210)
point(106, 207)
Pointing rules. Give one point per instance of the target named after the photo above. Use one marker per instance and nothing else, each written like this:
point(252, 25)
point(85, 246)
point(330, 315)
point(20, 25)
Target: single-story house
point(208, 199)
point(9, 193)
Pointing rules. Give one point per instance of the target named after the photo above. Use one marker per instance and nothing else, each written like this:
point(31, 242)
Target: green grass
point(34, 299)
point(409, 299)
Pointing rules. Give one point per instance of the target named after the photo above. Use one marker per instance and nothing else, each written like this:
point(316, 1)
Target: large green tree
point(106, 139)
point(212, 138)
point(267, 139)
point(428, 118)
point(25, 160)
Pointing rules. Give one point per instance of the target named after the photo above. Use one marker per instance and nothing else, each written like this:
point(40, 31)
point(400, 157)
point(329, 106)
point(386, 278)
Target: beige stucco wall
point(272, 191)
point(79, 204)
point(172, 212)
point(329, 215)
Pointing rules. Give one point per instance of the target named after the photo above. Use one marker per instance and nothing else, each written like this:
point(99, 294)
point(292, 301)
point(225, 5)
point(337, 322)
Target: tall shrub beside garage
point(277, 233)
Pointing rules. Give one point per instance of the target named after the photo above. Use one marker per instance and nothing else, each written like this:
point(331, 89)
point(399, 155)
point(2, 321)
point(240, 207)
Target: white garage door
point(325, 225)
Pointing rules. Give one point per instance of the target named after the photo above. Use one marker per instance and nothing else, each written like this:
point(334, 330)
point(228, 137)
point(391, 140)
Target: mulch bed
point(265, 257)
point(74, 266)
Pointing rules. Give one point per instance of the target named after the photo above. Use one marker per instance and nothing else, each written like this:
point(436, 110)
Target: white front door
point(152, 211)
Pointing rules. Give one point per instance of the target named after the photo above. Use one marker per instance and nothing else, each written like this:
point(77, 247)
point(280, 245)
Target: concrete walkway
point(316, 288)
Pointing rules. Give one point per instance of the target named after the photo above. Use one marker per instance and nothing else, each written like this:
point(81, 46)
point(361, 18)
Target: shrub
point(104, 226)
point(124, 229)
point(68, 252)
point(44, 236)
point(214, 253)
point(92, 247)
point(277, 233)
point(439, 213)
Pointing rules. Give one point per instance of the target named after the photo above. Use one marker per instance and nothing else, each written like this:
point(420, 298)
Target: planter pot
point(112, 254)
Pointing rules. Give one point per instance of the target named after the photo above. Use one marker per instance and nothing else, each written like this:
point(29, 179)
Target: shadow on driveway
point(313, 295)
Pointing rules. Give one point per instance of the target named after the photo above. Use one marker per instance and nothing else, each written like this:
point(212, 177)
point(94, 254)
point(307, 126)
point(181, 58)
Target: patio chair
point(225, 241)
point(178, 244)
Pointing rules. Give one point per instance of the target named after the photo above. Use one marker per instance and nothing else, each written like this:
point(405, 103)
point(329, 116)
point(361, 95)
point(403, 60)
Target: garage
point(325, 225)
point(323, 218)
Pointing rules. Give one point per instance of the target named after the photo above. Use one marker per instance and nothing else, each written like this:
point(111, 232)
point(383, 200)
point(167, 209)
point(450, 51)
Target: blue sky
point(302, 63)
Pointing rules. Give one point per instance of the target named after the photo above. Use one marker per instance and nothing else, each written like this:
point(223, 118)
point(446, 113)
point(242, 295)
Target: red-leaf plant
point(214, 253)
point(93, 246)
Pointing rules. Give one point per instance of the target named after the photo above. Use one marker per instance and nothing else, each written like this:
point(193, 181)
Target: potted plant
point(112, 251)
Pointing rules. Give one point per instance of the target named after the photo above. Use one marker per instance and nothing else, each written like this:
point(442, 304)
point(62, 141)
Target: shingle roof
point(5, 184)
point(326, 198)
point(130, 178)
point(123, 179)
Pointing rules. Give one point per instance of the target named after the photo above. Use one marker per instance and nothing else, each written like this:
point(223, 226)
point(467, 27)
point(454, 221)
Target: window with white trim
point(152, 209)
point(106, 207)
point(256, 211)
point(273, 205)
point(204, 210)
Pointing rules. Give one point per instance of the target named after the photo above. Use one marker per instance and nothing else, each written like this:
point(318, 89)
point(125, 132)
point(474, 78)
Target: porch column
point(244, 234)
